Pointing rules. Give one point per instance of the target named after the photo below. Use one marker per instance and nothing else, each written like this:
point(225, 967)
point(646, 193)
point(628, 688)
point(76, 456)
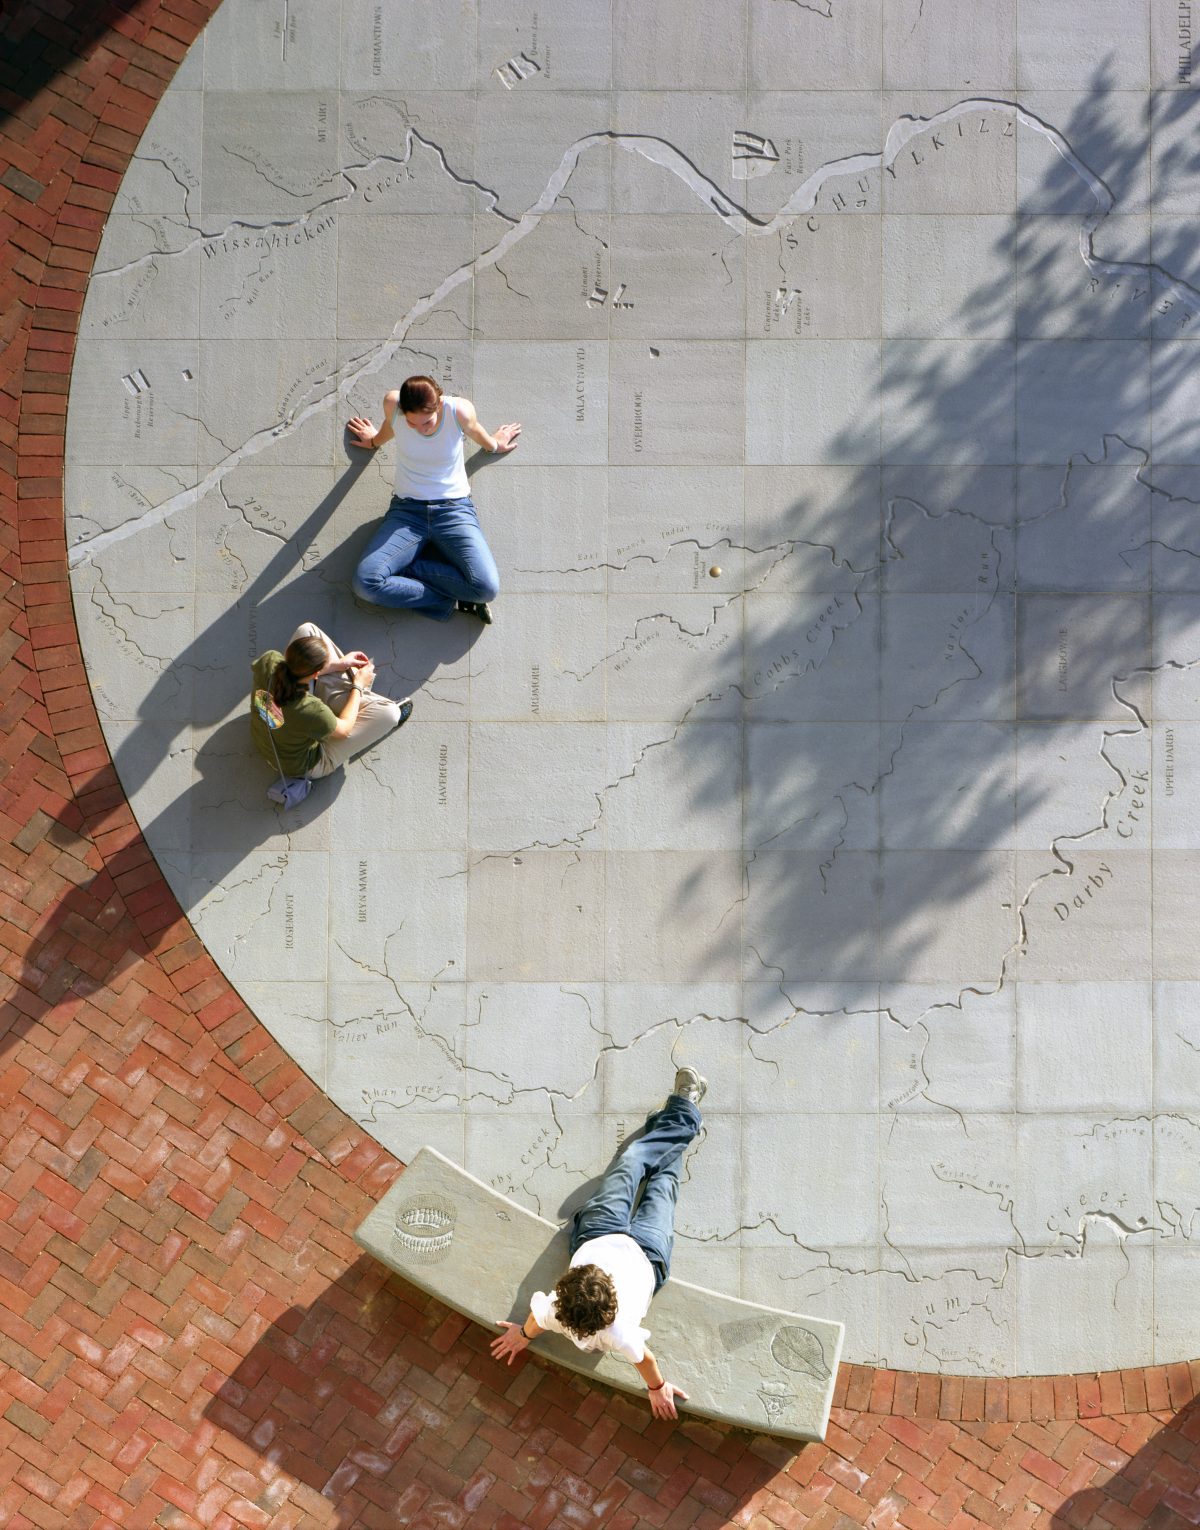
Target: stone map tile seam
point(125, 1287)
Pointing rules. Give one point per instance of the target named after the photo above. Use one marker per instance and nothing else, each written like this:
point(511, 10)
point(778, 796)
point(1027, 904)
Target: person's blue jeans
point(655, 1159)
point(396, 569)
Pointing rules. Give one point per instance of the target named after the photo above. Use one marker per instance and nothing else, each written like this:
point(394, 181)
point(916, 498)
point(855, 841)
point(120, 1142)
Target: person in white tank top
point(428, 554)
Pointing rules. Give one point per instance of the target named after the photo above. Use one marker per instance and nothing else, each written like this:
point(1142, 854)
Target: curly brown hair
point(585, 1300)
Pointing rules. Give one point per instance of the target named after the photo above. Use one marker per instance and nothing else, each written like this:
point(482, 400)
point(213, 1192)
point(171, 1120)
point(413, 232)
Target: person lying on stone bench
point(621, 1250)
point(329, 711)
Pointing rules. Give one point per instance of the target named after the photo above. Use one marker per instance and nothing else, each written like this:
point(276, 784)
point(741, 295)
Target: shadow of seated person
point(223, 818)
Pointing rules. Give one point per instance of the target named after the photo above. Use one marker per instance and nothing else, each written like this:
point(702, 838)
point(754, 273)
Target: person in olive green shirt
point(330, 712)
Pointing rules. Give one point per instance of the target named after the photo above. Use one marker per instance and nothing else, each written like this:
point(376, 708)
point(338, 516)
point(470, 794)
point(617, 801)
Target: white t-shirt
point(431, 467)
point(633, 1277)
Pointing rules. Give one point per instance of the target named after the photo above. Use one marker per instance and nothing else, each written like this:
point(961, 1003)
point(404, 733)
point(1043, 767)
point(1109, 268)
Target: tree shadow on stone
point(904, 634)
point(953, 659)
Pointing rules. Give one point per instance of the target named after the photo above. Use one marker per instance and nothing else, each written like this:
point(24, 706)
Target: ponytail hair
point(301, 660)
point(419, 395)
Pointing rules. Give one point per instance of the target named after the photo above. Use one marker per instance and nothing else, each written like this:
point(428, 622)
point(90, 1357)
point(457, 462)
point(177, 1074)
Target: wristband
point(658, 1388)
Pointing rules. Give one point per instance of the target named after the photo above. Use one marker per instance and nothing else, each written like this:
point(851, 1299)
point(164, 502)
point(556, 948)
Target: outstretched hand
point(362, 432)
point(509, 1344)
point(506, 437)
point(662, 1402)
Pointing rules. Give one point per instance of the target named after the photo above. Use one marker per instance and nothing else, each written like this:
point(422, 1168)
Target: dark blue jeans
point(654, 1159)
point(393, 572)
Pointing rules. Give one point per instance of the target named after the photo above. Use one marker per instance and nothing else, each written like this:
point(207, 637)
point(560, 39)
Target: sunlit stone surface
point(838, 731)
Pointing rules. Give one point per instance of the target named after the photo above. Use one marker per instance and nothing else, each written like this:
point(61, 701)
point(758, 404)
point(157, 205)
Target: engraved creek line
point(665, 155)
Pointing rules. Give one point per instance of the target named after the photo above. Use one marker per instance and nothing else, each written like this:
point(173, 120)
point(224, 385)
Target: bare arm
point(364, 678)
point(514, 1338)
point(661, 1393)
point(504, 440)
point(364, 434)
point(354, 660)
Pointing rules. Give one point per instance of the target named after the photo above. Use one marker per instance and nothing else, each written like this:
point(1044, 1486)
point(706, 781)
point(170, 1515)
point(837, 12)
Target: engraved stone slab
point(548, 528)
point(930, 48)
point(543, 377)
point(677, 277)
point(794, 46)
point(163, 179)
point(556, 288)
point(272, 283)
point(392, 262)
point(274, 154)
point(141, 400)
point(414, 51)
point(570, 45)
point(967, 166)
point(812, 401)
point(1101, 125)
point(639, 1058)
point(662, 388)
point(483, 1254)
point(135, 641)
point(522, 138)
point(1086, 387)
point(1051, 284)
point(977, 424)
point(804, 132)
point(1054, 53)
point(282, 384)
point(933, 266)
point(261, 50)
point(147, 281)
point(101, 498)
point(670, 527)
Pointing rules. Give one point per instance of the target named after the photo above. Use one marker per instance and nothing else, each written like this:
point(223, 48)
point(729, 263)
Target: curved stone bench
point(477, 1251)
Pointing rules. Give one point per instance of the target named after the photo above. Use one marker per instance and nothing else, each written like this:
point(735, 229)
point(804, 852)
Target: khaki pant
point(377, 715)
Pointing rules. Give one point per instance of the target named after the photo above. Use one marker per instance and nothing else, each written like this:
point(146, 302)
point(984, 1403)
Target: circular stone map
point(839, 728)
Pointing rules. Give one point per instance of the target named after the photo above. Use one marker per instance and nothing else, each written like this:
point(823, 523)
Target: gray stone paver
point(837, 731)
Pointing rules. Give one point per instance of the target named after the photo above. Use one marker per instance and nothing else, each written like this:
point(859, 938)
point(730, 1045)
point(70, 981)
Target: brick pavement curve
point(188, 1335)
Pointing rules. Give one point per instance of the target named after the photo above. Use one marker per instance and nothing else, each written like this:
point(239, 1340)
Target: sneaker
point(690, 1086)
point(479, 608)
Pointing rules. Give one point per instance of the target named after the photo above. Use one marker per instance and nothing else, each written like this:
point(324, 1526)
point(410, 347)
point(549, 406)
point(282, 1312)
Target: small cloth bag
point(288, 791)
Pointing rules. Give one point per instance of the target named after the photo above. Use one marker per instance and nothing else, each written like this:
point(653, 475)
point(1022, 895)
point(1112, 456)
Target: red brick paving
point(188, 1335)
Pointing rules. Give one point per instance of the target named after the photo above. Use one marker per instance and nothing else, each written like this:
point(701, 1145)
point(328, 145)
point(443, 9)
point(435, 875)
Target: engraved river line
point(665, 155)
